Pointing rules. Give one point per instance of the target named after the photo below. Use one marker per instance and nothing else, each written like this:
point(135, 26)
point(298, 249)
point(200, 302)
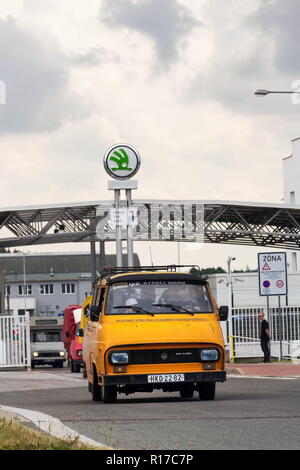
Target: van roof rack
point(111, 270)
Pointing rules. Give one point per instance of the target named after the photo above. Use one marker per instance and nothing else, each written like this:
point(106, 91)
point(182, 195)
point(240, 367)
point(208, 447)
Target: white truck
point(46, 343)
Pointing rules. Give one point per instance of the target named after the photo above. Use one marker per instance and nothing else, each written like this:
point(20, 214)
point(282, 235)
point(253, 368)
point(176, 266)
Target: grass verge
point(16, 436)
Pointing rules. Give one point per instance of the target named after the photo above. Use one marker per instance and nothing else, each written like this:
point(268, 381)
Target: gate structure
point(284, 329)
point(15, 341)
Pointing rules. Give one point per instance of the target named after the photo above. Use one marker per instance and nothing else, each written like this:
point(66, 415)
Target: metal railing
point(14, 341)
point(284, 325)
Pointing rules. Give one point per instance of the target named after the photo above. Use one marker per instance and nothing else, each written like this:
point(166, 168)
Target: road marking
point(52, 426)
point(233, 376)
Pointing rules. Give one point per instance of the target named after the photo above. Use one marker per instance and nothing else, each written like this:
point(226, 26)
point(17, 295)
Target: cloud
point(280, 22)
point(166, 22)
point(254, 46)
point(36, 75)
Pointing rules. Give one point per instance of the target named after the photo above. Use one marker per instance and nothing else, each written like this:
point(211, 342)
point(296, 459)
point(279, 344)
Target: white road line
point(52, 426)
point(233, 376)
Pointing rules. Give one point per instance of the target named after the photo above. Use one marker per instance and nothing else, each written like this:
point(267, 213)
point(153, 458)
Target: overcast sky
point(174, 78)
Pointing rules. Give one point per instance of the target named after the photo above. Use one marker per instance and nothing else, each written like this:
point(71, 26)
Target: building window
point(28, 289)
point(7, 290)
point(68, 288)
point(46, 289)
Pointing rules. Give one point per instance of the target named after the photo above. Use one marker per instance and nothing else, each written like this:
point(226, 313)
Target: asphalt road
point(248, 413)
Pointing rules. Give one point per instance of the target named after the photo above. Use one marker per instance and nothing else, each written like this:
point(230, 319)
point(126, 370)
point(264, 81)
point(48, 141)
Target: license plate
point(166, 378)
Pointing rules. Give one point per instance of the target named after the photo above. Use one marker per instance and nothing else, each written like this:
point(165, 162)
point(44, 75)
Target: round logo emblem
point(122, 161)
point(164, 356)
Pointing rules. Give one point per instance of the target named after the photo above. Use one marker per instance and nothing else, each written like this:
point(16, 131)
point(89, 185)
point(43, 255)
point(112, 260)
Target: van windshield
point(154, 297)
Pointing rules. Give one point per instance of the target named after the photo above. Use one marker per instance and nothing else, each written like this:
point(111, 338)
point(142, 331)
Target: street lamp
point(260, 93)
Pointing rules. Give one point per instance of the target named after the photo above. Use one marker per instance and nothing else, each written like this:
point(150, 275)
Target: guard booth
point(15, 341)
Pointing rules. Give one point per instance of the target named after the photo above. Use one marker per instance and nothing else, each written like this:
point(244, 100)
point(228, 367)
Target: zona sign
point(122, 161)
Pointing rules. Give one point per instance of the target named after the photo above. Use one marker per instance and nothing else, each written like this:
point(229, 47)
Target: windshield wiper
point(136, 308)
point(176, 308)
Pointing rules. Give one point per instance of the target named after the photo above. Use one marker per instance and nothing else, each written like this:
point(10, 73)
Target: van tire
point(76, 367)
point(109, 394)
point(96, 389)
point(207, 390)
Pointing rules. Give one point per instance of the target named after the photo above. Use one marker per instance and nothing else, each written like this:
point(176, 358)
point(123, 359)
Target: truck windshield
point(45, 336)
point(157, 297)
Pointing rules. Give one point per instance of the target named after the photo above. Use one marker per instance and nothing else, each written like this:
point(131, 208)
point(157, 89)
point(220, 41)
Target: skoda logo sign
point(122, 161)
point(164, 356)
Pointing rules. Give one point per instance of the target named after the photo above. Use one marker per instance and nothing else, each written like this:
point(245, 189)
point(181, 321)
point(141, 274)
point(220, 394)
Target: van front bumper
point(142, 379)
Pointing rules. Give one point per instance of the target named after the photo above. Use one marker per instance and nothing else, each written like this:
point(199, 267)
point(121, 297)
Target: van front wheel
point(96, 389)
point(109, 393)
point(207, 391)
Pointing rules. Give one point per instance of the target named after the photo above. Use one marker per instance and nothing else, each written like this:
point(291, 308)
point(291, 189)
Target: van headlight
point(209, 354)
point(35, 354)
point(119, 358)
point(79, 352)
point(61, 353)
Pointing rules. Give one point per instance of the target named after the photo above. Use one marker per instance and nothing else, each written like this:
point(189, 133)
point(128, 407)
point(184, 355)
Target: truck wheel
point(207, 391)
point(76, 367)
point(96, 389)
point(109, 393)
point(72, 367)
point(187, 391)
point(61, 364)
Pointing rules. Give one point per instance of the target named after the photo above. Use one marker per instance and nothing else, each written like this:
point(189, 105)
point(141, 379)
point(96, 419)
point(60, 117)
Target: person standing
point(264, 337)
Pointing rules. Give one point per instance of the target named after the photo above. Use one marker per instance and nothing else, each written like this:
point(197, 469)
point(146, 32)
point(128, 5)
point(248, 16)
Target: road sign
point(122, 161)
point(272, 274)
point(123, 217)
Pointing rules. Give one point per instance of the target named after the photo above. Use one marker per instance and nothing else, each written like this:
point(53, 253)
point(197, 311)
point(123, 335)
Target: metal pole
point(280, 328)
point(24, 283)
point(269, 319)
point(93, 261)
point(102, 255)
point(229, 294)
point(28, 346)
point(118, 229)
point(129, 231)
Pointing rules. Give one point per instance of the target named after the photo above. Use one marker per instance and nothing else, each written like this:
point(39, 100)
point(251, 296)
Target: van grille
point(164, 356)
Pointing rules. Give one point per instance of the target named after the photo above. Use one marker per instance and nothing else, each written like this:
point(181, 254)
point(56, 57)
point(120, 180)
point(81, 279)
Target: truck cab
point(153, 328)
point(46, 343)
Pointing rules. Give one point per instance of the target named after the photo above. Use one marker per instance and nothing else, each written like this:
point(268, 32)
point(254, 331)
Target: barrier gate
point(15, 341)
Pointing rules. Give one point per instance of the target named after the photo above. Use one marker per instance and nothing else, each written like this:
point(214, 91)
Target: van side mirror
point(95, 313)
point(80, 332)
point(223, 313)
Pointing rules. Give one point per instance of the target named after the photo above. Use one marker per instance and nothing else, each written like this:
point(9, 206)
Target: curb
point(48, 424)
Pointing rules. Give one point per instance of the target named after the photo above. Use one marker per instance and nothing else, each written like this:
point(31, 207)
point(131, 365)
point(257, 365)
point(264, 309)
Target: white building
point(291, 184)
point(245, 290)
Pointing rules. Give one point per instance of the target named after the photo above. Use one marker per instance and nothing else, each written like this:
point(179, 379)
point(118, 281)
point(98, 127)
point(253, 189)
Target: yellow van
point(153, 328)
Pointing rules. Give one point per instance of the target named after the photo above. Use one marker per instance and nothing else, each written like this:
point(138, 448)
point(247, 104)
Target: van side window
point(101, 298)
point(96, 296)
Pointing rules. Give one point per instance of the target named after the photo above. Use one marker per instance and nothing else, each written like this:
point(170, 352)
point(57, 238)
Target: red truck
point(72, 316)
